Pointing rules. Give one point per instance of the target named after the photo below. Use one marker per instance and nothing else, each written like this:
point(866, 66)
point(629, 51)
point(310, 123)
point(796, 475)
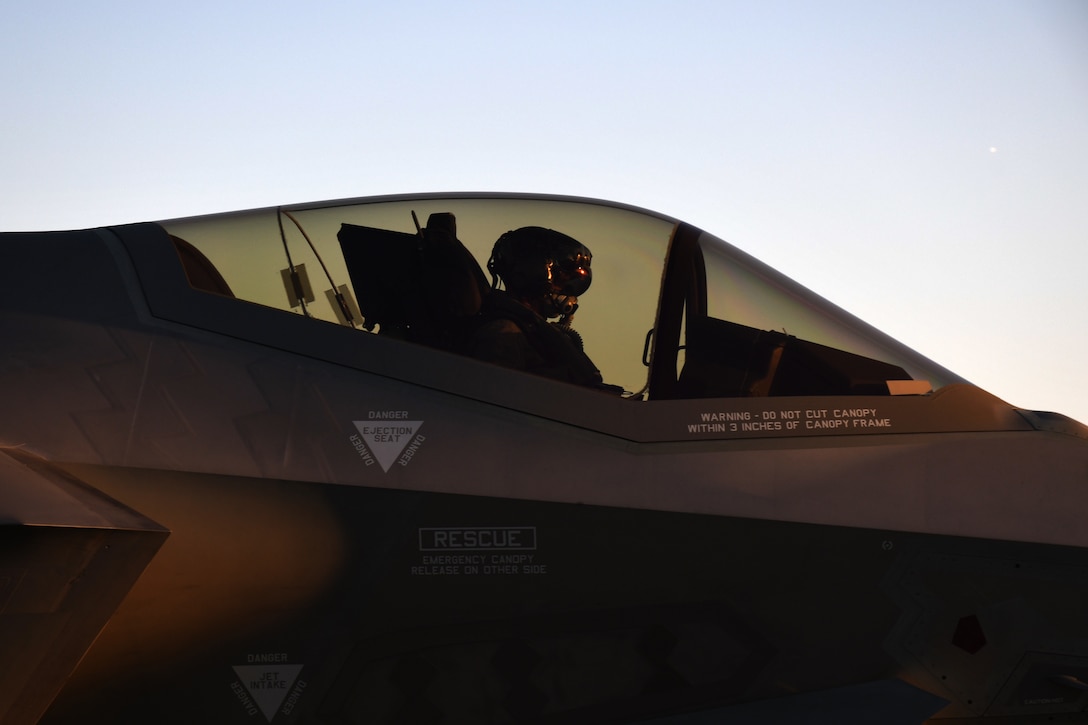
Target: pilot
point(543, 272)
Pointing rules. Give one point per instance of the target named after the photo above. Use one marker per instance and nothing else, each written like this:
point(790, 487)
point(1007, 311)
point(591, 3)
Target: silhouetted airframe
point(230, 493)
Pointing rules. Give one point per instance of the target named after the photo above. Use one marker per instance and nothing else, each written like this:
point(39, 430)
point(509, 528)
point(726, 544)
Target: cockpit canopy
point(673, 312)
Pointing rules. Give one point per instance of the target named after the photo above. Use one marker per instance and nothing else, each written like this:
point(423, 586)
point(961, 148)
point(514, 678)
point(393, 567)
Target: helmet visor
point(571, 275)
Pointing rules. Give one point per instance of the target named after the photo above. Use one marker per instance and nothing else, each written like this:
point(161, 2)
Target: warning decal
point(267, 686)
point(478, 551)
point(388, 437)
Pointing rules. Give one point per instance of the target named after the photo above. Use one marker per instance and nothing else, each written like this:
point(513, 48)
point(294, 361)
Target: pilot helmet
point(534, 262)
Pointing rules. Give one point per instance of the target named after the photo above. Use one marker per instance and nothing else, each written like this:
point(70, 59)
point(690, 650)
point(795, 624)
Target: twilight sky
point(923, 164)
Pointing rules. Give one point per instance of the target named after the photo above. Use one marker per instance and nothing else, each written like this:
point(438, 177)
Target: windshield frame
point(690, 291)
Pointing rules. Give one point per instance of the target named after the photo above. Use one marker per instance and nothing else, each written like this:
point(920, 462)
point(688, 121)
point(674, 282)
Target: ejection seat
point(425, 288)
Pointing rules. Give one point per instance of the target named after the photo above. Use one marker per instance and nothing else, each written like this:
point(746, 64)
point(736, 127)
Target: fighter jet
point(259, 467)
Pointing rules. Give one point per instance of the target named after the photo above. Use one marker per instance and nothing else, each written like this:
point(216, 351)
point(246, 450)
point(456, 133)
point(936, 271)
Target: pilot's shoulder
point(498, 325)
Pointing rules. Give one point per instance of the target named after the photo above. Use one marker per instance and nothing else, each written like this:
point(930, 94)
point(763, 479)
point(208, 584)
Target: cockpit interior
point(672, 313)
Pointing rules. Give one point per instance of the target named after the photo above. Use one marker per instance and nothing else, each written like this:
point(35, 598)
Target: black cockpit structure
point(720, 358)
point(424, 287)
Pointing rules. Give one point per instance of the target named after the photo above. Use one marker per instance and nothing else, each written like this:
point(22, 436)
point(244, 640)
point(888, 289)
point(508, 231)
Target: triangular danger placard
point(268, 685)
point(387, 439)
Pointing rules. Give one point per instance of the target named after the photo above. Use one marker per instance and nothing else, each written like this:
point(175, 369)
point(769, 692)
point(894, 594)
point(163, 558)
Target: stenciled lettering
point(385, 433)
point(244, 698)
point(361, 449)
point(787, 420)
point(293, 698)
point(268, 681)
point(410, 451)
point(477, 538)
point(729, 416)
